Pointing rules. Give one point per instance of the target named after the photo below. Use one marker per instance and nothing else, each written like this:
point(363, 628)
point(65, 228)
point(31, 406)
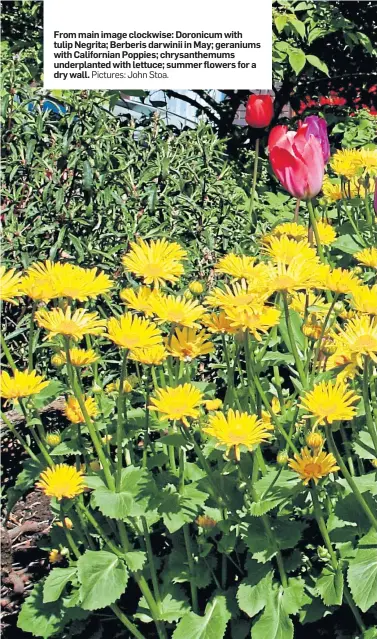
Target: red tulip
point(259, 111)
point(297, 161)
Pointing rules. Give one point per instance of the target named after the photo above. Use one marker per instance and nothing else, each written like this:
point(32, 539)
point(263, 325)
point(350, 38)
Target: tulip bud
point(259, 111)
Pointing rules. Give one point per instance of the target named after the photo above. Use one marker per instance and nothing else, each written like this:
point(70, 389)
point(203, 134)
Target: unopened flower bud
point(53, 439)
point(323, 554)
point(213, 404)
point(67, 523)
point(96, 388)
point(196, 287)
point(338, 307)
point(314, 440)
point(206, 522)
point(95, 466)
point(374, 462)
point(282, 458)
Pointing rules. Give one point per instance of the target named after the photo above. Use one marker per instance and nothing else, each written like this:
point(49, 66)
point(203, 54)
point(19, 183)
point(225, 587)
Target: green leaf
point(174, 604)
point(363, 445)
point(175, 439)
point(136, 489)
point(38, 618)
point(297, 60)
point(178, 509)
point(56, 582)
point(296, 323)
point(135, 559)
point(103, 578)
point(362, 572)
point(330, 587)
point(347, 243)
point(211, 626)
point(254, 591)
point(274, 622)
point(318, 64)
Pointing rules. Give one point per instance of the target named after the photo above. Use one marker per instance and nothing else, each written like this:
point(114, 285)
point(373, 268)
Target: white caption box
point(91, 44)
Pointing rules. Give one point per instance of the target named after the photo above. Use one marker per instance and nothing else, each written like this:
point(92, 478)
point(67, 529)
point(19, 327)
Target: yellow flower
point(367, 256)
point(137, 299)
point(312, 466)
point(346, 360)
point(332, 191)
point(258, 319)
point(10, 285)
point(67, 523)
point(153, 356)
point(73, 412)
point(285, 249)
point(346, 162)
point(292, 229)
point(337, 280)
point(205, 522)
point(213, 404)
point(218, 323)
point(196, 287)
point(177, 403)
point(38, 287)
point(68, 280)
point(106, 439)
point(238, 266)
point(53, 439)
point(301, 302)
point(114, 386)
point(188, 343)
point(367, 159)
point(78, 356)
point(74, 325)
point(276, 409)
point(327, 234)
point(21, 384)
point(55, 556)
point(239, 294)
point(359, 337)
point(364, 299)
point(133, 332)
point(61, 481)
point(237, 429)
point(177, 310)
point(315, 440)
point(330, 402)
point(299, 274)
point(156, 262)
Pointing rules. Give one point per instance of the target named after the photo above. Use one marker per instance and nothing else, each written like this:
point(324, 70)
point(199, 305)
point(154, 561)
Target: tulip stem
point(255, 175)
point(313, 222)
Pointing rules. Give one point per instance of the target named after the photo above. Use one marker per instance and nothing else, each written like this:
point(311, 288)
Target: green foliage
point(362, 572)
point(211, 626)
point(103, 578)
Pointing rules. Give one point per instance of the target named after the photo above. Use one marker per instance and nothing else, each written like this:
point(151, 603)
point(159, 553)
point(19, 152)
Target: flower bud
point(323, 554)
point(314, 440)
point(68, 523)
point(96, 388)
point(95, 466)
point(196, 287)
point(55, 556)
point(53, 439)
point(374, 462)
point(213, 404)
point(58, 360)
point(338, 307)
point(206, 522)
point(282, 458)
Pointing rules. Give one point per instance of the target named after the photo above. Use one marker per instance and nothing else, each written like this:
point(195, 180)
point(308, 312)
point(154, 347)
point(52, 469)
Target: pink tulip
point(297, 161)
point(318, 127)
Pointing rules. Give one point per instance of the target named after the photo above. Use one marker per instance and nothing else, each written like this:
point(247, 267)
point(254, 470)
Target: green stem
point(220, 497)
point(31, 337)
point(19, 437)
point(151, 563)
point(313, 222)
point(323, 329)
point(347, 450)
point(349, 479)
point(126, 622)
point(368, 212)
point(368, 413)
point(8, 356)
point(193, 588)
point(295, 353)
point(120, 429)
point(255, 175)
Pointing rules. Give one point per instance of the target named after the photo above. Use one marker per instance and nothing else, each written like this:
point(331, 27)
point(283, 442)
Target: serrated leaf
point(178, 509)
point(56, 582)
point(136, 489)
point(330, 587)
point(362, 572)
point(297, 60)
point(174, 604)
point(38, 618)
point(363, 445)
point(135, 559)
point(103, 578)
point(254, 591)
point(211, 626)
point(318, 64)
point(274, 622)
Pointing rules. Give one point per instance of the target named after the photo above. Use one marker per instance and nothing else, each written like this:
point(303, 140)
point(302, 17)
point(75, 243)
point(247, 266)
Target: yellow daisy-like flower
point(137, 299)
point(327, 234)
point(237, 429)
point(309, 465)
point(69, 280)
point(53, 439)
point(73, 412)
point(367, 256)
point(291, 229)
point(337, 280)
point(239, 294)
point(114, 386)
point(367, 159)
point(364, 299)
point(67, 523)
point(188, 343)
point(299, 274)
point(344, 359)
point(177, 403)
point(254, 319)
point(21, 384)
point(10, 285)
point(213, 404)
point(156, 262)
point(74, 324)
point(196, 287)
point(285, 249)
point(332, 191)
point(346, 162)
point(238, 266)
point(133, 332)
point(177, 310)
point(55, 556)
point(359, 337)
point(276, 409)
point(78, 356)
point(153, 356)
point(38, 287)
point(61, 481)
point(301, 302)
point(330, 402)
point(218, 323)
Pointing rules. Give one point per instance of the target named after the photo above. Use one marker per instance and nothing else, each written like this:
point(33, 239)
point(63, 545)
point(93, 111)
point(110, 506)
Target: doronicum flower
point(55, 556)
point(177, 310)
point(218, 323)
point(298, 275)
point(213, 404)
point(68, 280)
point(78, 356)
point(238, 266)
point(53, 439)
point(10, 285)
point(310, 465)
point(61, 481)
point(367, 256)
point(74, 324)
point(177, 403)
point(359, 337)
point(337, 280)
point(345, 162)
point(256, 320)
point(332, 191)
point(73, 412)
point(237, 429)
point(330, 402)
point(38, 287)
point(156, 262)
point(326, 232)
point(364, 299)
point(133, 332)
point(285, 249)
point(196, 287)
point(21, 384)
point(188, 343)
point(239, 294)
point(302, 302)
point(291, 229)
point(153, 356)
point(367, 160)
point(67, 523)
point(113, 387)
point(137, 299)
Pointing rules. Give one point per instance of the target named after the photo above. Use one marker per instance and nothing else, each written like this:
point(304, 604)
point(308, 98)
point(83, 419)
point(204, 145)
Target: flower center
point(365, 343)
point(313, 470)
point(284, 282)
point(68, 327)
point(153, 269)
